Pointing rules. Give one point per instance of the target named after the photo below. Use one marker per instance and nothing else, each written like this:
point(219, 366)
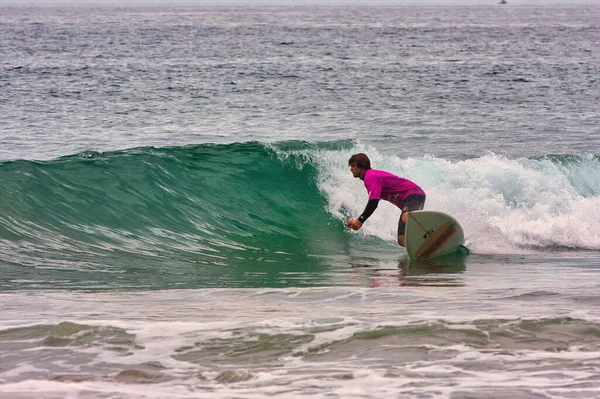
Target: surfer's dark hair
point(361, 160)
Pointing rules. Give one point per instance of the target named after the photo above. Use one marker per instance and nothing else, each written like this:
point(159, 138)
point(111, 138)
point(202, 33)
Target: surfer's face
point(356, 171)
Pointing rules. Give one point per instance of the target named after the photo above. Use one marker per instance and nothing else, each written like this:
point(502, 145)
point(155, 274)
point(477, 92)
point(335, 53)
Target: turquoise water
point(199, 215)
point(174, 189)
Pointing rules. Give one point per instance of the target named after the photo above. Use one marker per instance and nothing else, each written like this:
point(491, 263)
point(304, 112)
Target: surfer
point(401, 192)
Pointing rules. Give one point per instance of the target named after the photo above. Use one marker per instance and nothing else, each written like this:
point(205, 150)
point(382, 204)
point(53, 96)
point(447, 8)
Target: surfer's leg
point(402, 227)
point(411, 203)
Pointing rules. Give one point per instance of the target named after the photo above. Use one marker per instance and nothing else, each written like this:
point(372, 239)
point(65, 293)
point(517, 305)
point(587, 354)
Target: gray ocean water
point(173, 187)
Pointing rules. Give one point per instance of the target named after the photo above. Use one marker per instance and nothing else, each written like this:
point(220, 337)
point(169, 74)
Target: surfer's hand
point(354, 224)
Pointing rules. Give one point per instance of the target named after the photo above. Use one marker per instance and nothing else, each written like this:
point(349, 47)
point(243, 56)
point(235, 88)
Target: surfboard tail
point(430, 234)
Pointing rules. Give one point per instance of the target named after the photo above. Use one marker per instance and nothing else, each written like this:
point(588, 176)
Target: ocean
point(174, 188)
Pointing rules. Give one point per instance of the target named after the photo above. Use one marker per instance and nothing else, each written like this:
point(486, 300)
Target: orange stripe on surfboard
point(435, 240)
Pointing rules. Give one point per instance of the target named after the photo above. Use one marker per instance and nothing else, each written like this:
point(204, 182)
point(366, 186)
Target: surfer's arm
point(369, 209)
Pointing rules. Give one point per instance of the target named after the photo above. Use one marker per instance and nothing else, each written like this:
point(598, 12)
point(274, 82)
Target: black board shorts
point(413, 202)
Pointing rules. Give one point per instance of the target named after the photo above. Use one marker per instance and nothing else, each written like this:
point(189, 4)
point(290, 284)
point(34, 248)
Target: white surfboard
point(430, 234)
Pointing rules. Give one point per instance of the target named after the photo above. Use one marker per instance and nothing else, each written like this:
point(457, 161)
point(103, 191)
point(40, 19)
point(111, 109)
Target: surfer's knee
point(401, 241)
point(404, 216)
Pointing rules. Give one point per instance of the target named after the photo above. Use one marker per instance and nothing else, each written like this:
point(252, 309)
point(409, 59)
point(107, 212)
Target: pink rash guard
point(389, 187)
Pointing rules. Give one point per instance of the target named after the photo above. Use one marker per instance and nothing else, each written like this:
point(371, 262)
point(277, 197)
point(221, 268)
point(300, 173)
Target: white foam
point(504, 205)
point(22, 369)
point(335, 361)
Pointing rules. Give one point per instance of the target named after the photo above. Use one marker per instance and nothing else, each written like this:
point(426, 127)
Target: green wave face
point(207, 215)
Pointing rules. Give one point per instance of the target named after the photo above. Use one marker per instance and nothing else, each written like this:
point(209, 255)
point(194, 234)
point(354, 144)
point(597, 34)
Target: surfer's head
point(361, 160)
point(359, 163)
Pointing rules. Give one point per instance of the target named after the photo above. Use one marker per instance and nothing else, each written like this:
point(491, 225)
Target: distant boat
point(503, 2)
